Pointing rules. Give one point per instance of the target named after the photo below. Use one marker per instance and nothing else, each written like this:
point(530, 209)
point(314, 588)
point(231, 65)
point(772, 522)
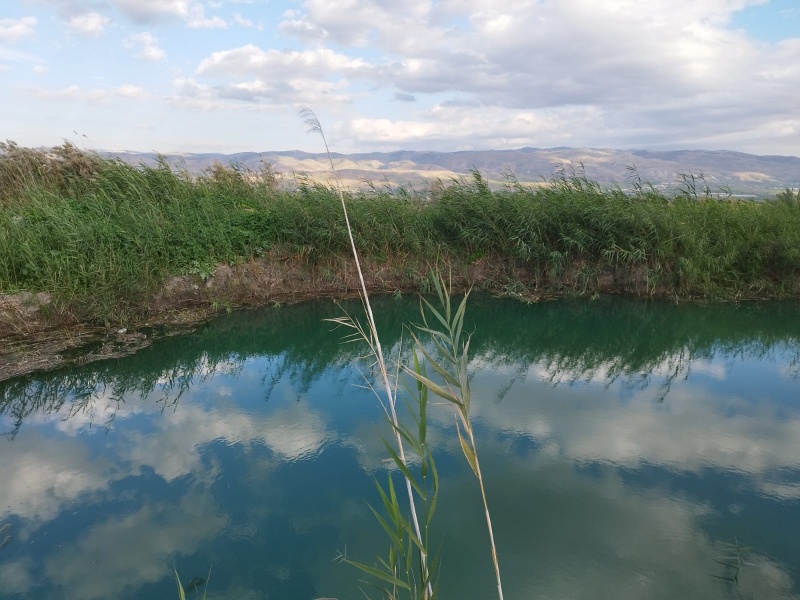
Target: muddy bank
point(37, 333)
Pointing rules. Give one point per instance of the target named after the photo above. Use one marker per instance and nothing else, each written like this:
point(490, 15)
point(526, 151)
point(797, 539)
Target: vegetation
point(192, 585)
point(455, 387)
point(102, 235)
point(410, 567)
point(788, 196)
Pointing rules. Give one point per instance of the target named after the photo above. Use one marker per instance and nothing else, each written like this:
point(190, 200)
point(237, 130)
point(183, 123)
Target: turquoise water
point(623, 444)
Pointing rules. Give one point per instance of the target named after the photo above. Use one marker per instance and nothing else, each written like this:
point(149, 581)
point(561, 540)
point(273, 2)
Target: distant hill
point(742, 173)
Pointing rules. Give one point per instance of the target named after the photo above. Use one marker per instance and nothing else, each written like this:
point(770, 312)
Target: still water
point(623, 444)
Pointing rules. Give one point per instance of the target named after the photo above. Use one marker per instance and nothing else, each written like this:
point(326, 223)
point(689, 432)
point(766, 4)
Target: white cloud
point(252, 60)
point(40, 69)
point(146, 44)
point(194, 96)
point(90, 24)
point(39, 477)
point(13, 55)
point(14, 30)
point(74, 93)
point(17, 576)
point(466, 127)
point(593, 536)
point(644, 69)
point(244, 22)
point(359, 22)
point(152, 11)
point(134, 549)
point(197, 19)
point(149, 11)
point(293, 433)
point(691, 430)
point(273, 77)
point(303, 30)
point(130, 91)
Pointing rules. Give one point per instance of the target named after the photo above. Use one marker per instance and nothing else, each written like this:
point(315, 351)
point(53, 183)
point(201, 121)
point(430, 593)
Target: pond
point(629, 449)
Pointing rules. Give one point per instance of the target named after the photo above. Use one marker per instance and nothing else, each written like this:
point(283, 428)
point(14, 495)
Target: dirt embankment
point(37, 334)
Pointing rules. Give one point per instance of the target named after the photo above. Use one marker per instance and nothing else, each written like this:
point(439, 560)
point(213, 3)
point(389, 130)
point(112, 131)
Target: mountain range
point(743, 174)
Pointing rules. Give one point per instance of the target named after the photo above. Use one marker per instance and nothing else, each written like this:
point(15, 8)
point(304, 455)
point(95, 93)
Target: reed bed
point(101, 235)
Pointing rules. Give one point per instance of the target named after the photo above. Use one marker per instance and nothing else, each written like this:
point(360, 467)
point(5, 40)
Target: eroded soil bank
point(37, 333)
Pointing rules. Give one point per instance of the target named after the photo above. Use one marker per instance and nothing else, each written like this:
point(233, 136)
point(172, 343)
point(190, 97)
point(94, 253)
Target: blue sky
point(231, 75)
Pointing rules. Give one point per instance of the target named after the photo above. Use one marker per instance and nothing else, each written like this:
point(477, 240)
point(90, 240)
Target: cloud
point(14, 30)
point(244, 22)
point(74, 93)
point(146, 44)
point(692, 430)
point(303, 30)
point(276, 77)
point(197, 19)
point(146, 12)
point(91, 24)
point(131, 92)
point(359, 22)
point(591, 536)
point(17, 576)
point(468, 127)
point(150, 11)
point(403, 97)
point(252, 60)
point(134, 549)
point(293, 433)
point(642, 70)
point(192, 95)
point(12, 55)
point(40, 477)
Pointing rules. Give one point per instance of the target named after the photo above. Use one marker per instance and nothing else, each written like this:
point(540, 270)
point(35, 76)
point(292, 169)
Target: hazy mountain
point(742, 173)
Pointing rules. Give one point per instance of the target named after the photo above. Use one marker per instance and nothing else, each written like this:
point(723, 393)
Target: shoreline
point(36, 335)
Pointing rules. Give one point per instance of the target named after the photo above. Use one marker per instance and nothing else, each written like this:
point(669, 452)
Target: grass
point(102, 235)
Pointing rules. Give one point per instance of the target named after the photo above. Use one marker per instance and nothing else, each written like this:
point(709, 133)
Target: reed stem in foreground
point(373, 341)
point(456, 388)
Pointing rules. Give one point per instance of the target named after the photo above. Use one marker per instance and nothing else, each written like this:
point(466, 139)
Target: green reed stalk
point(456, 389)
point(194, 584)
point(374, 343)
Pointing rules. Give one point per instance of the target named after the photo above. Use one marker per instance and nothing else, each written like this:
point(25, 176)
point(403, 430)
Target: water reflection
point(566, 342)
point(623, 443)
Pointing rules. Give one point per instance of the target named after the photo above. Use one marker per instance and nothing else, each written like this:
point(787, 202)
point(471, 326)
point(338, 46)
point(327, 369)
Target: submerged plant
point(733, 561)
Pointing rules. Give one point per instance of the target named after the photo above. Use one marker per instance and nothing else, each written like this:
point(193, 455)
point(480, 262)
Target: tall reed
point(370, 336)
point(102, 235)
point(456, 389)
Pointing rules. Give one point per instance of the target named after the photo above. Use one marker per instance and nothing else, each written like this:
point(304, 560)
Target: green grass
point(101, 235)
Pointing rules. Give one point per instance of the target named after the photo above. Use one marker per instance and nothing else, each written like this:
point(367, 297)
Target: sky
point(382, 75)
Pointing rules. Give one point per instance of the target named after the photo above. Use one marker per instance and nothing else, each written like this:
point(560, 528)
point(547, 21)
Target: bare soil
point(38, 334)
